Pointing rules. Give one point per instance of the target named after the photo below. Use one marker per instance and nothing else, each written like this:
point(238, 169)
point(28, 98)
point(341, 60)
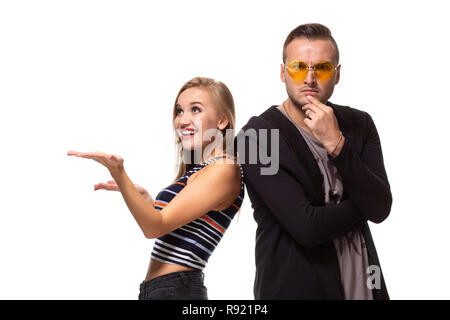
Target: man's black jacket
point(295, 254)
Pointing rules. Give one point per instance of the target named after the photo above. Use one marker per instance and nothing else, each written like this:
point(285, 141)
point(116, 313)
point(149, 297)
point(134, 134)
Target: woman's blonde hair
point(223, 104)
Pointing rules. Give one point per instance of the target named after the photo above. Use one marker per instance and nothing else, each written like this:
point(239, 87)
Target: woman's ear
point(223, 123)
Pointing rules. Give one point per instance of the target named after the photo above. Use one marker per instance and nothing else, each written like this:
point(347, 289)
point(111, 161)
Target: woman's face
point(196, 119)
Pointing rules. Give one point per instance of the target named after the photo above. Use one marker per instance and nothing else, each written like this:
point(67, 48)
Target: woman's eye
point(178, 111)
point(195, 109)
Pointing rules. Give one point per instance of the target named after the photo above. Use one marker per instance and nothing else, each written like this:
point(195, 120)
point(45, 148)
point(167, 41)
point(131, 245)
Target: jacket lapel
point(301, 150)
point(344, 126)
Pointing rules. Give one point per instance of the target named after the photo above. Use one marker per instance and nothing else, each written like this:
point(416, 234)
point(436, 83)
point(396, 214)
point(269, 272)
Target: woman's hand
point(112, 186)
point(146, 215)
point(112, 162)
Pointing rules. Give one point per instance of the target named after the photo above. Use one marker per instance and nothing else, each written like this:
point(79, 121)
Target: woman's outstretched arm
point(214, 188)
point(111, 185)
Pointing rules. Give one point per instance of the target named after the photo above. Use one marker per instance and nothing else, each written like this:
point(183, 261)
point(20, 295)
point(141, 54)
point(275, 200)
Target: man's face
point(310, 52)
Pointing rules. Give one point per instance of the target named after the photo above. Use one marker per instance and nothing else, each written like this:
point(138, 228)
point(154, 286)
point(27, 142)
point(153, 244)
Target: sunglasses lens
point(324, 70)
point(297, 69)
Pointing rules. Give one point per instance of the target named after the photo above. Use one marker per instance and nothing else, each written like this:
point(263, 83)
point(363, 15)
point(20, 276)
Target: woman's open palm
point(111, 161)
point(112, 186)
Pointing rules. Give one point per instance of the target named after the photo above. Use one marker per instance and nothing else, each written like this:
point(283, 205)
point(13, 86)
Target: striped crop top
point(192, 244)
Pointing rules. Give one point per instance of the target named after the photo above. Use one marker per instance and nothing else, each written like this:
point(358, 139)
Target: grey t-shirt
point(351, 247)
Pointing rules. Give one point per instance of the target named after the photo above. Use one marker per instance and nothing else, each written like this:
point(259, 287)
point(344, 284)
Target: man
point(313, 240)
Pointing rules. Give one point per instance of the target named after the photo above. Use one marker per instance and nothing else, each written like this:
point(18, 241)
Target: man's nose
point(310, 77)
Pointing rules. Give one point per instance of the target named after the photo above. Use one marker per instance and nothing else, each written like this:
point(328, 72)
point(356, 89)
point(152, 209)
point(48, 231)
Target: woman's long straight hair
point(223, 104)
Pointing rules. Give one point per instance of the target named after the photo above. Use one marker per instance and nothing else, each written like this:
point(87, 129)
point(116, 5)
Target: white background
point(103, 75)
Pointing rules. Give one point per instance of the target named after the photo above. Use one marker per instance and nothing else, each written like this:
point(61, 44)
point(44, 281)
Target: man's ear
point(282, 75)
point(338, 74)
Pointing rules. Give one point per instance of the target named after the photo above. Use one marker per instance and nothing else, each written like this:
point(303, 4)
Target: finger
point(112, 182)
point(116, 157)
point(310, 110)
point(73, 153)
point(105, 186)
point(309, 114)
point(97, 156)
point(312, 107)
point(313, 100)
point(76, 153)
point(79, 153)
point(308, 122)
point(316, 102)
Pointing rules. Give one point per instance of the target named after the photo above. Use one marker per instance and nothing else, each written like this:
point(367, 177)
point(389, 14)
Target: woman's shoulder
point(225, 168)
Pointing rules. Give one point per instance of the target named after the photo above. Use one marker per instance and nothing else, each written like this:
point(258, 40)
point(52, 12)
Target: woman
point(190, 216)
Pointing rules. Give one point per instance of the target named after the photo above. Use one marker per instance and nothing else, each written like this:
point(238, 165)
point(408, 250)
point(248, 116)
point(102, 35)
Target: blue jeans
point(181, 285)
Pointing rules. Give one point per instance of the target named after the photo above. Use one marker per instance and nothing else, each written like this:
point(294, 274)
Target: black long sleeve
point(364, 177)
point(295, 255)
point(308, 225)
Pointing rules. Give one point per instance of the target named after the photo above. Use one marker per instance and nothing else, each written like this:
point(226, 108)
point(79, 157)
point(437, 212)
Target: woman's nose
point(185, 119)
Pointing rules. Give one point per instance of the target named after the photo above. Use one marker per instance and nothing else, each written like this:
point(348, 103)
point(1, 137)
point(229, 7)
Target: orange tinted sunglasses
point(298, 70)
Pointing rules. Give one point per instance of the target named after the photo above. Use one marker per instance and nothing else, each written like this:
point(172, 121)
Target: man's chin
point(304, 100)
point(300, 102)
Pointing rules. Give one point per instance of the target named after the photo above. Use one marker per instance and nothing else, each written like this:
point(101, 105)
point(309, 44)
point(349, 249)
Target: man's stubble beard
point(299, 105)
point(295, 102)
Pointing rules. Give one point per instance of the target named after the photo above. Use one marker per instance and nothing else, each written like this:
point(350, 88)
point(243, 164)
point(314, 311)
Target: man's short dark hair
point(311, 31)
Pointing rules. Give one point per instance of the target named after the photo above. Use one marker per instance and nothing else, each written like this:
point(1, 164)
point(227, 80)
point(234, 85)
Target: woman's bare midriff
point(157, 268)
